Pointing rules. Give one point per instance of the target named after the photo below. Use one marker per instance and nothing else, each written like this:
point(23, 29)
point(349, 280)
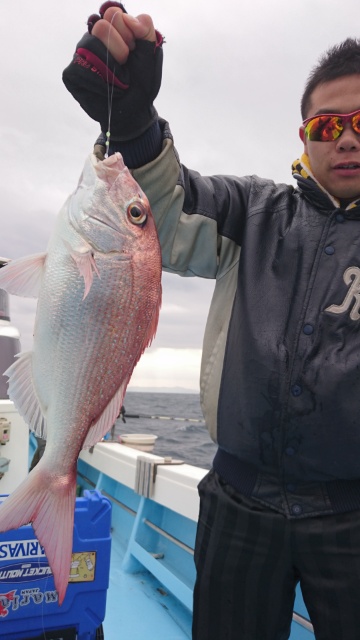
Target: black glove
point(102, 86)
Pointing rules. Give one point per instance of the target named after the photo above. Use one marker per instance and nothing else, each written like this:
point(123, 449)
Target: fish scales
point(99, 290)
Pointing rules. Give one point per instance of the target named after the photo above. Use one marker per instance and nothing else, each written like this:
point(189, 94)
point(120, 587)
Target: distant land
point(161, 390)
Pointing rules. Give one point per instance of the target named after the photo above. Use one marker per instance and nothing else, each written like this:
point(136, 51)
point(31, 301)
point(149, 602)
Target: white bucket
point(140, 441)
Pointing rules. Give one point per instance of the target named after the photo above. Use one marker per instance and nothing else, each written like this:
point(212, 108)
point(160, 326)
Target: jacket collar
point(316, 193)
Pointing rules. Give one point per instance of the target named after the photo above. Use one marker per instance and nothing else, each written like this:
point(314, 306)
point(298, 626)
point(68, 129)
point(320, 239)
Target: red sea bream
point(99, 290)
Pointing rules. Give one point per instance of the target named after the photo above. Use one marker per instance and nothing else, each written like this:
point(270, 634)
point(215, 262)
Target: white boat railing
point(147, 522)
point(166, 483)
point(174, 485)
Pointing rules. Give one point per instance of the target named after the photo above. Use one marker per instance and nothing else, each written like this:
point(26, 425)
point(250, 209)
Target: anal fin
point(107, 418)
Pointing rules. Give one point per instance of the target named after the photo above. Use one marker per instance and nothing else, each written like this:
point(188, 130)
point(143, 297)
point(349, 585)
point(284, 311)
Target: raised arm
point(115, 75)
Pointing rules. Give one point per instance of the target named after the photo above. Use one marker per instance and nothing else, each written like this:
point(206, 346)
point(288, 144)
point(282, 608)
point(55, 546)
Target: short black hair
point(341, 60)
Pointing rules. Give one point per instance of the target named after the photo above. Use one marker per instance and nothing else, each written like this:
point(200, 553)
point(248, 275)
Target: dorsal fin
point(23, 277)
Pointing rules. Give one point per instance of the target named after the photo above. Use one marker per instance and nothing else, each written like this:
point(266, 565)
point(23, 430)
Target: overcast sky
point(232, 82)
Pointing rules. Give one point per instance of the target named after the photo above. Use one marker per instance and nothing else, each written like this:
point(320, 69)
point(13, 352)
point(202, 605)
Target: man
point(280, 376)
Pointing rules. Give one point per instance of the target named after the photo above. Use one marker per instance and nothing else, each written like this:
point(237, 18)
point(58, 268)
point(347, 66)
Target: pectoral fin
point(85, 263)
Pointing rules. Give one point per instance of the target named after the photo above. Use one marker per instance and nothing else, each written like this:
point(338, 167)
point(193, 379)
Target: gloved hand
point(119, 95)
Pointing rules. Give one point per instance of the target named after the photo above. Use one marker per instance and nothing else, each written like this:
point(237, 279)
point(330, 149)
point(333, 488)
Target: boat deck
point(138, 606)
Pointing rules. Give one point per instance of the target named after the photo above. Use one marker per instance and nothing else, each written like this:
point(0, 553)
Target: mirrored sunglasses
point(328, 127)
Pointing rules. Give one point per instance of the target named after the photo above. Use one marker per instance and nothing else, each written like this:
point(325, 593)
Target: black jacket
point(280, 378)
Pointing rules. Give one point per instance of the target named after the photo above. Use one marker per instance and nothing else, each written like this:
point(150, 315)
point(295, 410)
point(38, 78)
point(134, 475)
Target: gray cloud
point(233, 78)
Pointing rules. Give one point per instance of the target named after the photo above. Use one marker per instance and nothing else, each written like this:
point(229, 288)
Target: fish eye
point(137, 213)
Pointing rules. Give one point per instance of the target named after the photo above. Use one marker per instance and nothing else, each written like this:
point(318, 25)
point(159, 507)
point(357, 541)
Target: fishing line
point(110, 90)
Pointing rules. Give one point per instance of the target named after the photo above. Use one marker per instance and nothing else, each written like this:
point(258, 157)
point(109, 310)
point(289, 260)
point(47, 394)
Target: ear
point(303, 138)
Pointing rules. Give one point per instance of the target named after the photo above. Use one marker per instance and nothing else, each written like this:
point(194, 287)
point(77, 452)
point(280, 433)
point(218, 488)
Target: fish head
point(109, 209)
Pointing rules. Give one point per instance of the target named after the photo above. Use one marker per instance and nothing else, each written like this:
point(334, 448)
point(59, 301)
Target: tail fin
point(48, 503)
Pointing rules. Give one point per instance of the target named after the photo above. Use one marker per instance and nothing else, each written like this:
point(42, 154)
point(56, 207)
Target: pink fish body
point(99, 290)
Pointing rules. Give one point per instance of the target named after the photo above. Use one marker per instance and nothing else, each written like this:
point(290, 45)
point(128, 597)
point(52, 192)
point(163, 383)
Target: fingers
point(142, 27)
point(114, 34)
point(118, 32)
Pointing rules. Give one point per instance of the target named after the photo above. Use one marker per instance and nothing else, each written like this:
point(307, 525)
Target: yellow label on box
point(83, 567)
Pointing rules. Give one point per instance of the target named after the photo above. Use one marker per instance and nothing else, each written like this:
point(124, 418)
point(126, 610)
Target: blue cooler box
point(29, 609)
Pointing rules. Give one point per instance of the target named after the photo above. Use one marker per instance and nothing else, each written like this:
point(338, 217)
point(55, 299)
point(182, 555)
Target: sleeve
point(200, 219)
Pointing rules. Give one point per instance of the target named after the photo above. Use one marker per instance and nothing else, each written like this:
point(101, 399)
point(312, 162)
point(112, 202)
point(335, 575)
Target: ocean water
point(176, 419)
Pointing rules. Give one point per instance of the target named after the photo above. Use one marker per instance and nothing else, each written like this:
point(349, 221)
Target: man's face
point(336, 165)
